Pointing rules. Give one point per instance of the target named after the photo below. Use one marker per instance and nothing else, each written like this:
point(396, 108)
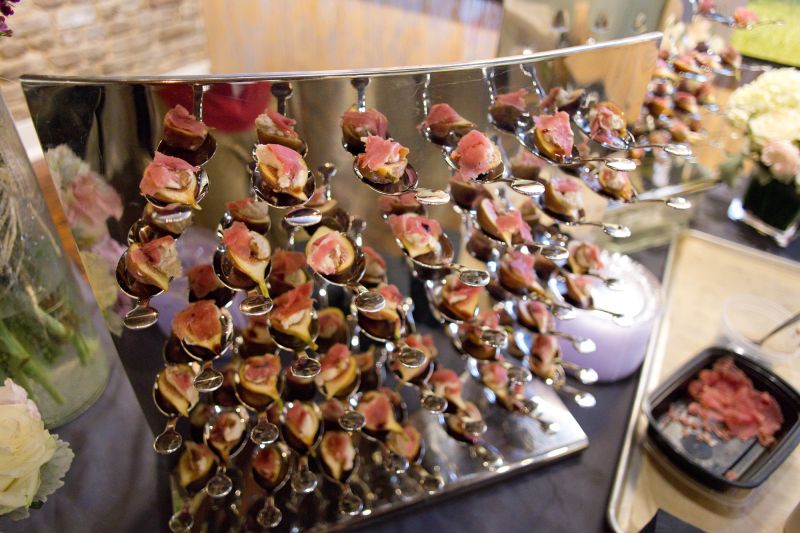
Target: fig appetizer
point(251, 212)
point(201, 329)
point(338, 455)
point(579, 291)
point(205, 285)
point(494, 375)
point(419, 374)
point(388, 322)
point(379, 412)
point(526, 166)
point(226, 434)
point(274, 128)
point(476, 157)
point(182, 130)
point(287, 271)
point(302, 422)
point(686, 102)
point(333, 328)
point(563, 198)
point(284, 171)
point(375, 272)
point(339, 376)
point(517, 274)
point(300, 388)
point(466, 192)
point(545, 356)
point(584, 257)
point(153, 263)
point(502, 224)
point(358, 125)
point(418, 236)
point(535, 316)
point(383, 160)
point(444, 125)
point(175, 391)
point(553, 136)
point(249, 253)
point(170, 180)
point(259, 380)
point(470, 335)
point(459, 301)
point(616, 184)
point(406, 443)
point(293, 316)
point(256, 337)
point(459, 424)
point(508, 110)
point(172, 219)
point(332, 254)
point(371, 375)
point(195, 467)
point(446, 383)
point(270, 467)
point(608, 125)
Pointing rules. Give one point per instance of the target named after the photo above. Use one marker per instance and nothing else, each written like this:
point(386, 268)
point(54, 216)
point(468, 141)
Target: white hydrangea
point(777, 90)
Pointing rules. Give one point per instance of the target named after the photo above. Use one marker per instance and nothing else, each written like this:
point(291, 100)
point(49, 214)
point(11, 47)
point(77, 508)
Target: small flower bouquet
point(32, 461)
point(768, 109)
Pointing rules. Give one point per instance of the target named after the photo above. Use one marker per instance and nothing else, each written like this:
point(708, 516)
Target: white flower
point(782, 157)
point(776, 90)
point(775, 125)
point(13, 394)
point(24, 447)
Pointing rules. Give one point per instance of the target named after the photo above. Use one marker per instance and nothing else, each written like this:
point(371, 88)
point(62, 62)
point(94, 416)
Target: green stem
point(52, 325)
point(81, 347)
point(24, 362)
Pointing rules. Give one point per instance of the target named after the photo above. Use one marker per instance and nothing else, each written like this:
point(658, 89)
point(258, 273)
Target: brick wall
point(98, 37)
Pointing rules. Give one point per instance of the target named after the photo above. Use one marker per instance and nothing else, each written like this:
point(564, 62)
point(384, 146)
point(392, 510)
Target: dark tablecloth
point(117, 483)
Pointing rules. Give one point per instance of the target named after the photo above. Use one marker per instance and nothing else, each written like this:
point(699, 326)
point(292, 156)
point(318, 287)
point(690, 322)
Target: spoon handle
point(785, 324)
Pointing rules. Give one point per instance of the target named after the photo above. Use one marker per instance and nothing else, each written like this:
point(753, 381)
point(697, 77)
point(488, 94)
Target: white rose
point(782, 158)
point(776, 125)
point(24, 447)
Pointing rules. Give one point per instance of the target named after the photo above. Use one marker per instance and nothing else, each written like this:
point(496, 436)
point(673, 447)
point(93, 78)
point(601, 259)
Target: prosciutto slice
point(288, 165)
point(327, 253)
point(475, 154)
point(182, 129)
point(376, 264)
point(293, 302)
point(381, 153)
point(248, 209)
point(286, 262)
point(556, 130)
point(166, 172)
point(378, 411)
point(406, 443)
point(274, 122)
point(441, 118)
point(725, 394)
point(198, 323)
point(338, 452)
point(334, 362)
point(445, 382)
point(268, 463)
point(607, 123)
point(154, 262)
point(521, 265)
point(537, 313)
point(263, 368)
point(514, 99)
point(245, 244)
point(585, 255)
point(422, 342)
point(303, 422)
point(420, 235)
point(202, 280)
point(365, 123)
point(457, 291)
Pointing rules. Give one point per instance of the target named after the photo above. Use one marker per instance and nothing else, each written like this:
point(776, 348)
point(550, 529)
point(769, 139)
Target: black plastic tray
point(752, 462)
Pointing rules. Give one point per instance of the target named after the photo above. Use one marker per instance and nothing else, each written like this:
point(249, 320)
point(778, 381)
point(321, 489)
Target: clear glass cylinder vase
point(52, 338)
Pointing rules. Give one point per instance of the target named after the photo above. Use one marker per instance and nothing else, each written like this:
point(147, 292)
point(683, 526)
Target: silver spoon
point(786, 323)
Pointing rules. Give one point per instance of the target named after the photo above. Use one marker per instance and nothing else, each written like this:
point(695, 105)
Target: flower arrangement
point(32, 461)
point(6, 10)
point(768, 109)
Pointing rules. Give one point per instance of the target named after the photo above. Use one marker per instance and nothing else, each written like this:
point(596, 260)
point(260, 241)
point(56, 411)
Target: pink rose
point(782, 157)
point(89, 201)
point(13, 394)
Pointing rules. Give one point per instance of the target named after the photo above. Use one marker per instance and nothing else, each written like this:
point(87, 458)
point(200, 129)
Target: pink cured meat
point(237, 238)
point(459, 291)
point(261, 368)
point(497, 374)
point(163, 173)
point(725, 393)
point(323, 250)
point(179, 117)
point(202, 280)
point(514, 99)
point(556, 127)
point(522, 264)
point(336, 357)
point(474, 154)
point(411, 224)
point(248, 209)
point(423, 342)
point(511, 221)
point(380, 151)
point(744, 16)
point(338, 446)
point(267, 463)
point(199, 320)
point(606, 124)
point(297, 414)
point(286, 262)
point(540, 313)
point(447, 381)
point(329, 324)
point(706, 6)
point(290, 161)
point(374, 256)
point(391, 294)
point(565, 185)
point(377, 411)
point(441, 115)
point(546, 347)
point(292, 302)
point(160, 254)
point(365, 123)
point(284, 124)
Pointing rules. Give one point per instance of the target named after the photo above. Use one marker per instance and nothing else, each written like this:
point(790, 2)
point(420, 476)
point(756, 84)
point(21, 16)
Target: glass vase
point(51, 341)
point(769, 206)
